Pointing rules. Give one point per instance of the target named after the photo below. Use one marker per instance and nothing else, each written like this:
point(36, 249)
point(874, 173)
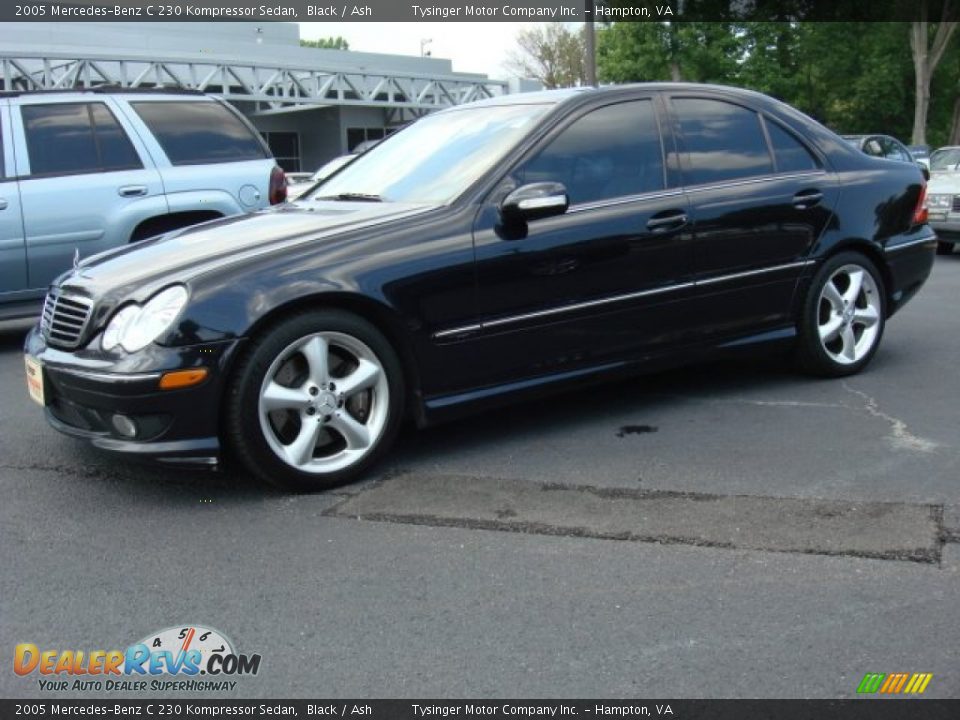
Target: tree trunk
point(926, 57)
point(675, 74)
point(955, 124)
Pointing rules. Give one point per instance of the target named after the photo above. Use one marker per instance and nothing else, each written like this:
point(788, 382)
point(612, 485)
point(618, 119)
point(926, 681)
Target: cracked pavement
point(407, 585)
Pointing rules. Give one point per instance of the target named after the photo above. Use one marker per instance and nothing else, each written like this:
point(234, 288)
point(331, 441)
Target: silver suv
point(84, 171)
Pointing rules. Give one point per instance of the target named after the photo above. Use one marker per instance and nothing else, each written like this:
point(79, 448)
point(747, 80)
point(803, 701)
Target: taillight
point(278, 186)
point(920, 214)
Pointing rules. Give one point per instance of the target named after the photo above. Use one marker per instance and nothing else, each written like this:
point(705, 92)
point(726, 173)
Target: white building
point(310, 104)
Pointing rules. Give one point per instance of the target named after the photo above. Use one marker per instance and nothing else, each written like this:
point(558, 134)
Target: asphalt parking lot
point(731, 530)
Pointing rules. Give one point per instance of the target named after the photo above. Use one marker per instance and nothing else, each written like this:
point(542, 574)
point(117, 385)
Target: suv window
point(193, 133)
point(790, 153)
point(723, 141)
point(610, 152)
point(69, 138)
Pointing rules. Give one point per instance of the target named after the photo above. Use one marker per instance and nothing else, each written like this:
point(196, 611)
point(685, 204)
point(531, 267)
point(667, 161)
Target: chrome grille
point(64, 318)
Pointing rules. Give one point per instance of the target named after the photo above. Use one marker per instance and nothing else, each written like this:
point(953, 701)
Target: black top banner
point(481, 10)
point(893, 709)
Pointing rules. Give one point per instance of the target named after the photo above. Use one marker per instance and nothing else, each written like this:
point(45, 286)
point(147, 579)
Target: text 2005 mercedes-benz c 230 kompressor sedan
point(487, 252)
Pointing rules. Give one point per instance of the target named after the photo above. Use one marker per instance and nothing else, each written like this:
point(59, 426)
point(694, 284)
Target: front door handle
point(3, 203)
point(132, 191)
point(668, 220)
point(807, 199)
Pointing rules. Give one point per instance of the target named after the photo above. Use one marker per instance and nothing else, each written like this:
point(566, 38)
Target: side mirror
point(535, 201)
point(925, 171)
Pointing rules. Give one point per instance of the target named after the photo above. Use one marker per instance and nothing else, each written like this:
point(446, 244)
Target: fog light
point(124, 425)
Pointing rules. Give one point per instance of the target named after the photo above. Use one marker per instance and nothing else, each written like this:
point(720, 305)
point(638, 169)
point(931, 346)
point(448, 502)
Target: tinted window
point(116, 152)
point(611, 152)
point(75, 138)
point(199, 132)
point(723, 141)
point(790, 154)
point(60, 139)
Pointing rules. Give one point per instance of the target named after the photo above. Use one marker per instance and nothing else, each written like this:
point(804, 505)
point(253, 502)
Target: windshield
point(946, 159)
point(435, 159)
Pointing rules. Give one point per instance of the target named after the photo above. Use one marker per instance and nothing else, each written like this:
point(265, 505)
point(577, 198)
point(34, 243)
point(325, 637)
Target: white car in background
point(296, 189)
point(943, 197)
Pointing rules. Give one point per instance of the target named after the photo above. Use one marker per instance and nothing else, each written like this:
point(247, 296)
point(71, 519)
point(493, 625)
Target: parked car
point(881, 146)
point(920, 153)
point(943, 199)
point(486, 253)
point(295, 178)
point(945, 159)
point(325, 171)
point(86, 171)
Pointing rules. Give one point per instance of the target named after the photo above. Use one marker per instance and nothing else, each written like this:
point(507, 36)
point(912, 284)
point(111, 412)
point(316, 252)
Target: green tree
point(328, 43)
point(551, 53)
point(691, 51)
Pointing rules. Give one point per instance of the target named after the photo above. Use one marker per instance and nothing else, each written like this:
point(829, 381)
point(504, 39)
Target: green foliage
point(328, 43)
point(854, 77)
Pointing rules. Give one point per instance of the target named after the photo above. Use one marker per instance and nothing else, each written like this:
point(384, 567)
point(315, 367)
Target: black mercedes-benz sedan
point(485, 253)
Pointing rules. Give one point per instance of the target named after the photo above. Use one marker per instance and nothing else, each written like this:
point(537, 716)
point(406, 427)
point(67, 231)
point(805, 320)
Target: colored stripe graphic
point(871, 682)
point(895, 683)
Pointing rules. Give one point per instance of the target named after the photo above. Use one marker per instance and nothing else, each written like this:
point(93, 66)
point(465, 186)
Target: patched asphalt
point(890, 531)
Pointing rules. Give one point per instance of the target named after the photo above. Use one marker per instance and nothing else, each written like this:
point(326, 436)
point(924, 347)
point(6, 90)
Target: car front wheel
point(944, 248)
point(315, 401)
point(843, 316)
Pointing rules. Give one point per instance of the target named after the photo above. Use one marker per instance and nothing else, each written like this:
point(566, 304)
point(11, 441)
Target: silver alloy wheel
point(848, 314)
point(324, 402)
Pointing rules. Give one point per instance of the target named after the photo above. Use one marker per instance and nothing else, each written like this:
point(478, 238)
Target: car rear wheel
point(843, 316)
point(316, 401)
point(944, 248)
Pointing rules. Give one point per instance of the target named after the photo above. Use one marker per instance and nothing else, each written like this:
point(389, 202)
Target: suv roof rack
point(104, 89)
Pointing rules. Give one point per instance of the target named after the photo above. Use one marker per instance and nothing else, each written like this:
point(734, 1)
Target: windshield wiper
point(352, 197)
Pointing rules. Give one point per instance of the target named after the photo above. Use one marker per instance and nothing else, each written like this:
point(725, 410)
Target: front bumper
point(85, 389)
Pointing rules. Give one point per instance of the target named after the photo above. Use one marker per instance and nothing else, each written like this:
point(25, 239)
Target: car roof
point(105, 90)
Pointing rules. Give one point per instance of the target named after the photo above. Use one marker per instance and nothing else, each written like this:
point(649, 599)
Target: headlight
point(135, 327)
point(939, 202)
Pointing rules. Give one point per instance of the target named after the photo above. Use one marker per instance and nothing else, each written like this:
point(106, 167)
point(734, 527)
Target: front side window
point(610, 152)
point(436, 158)
point(70, 138)
point(723, 141)
point(195, 133)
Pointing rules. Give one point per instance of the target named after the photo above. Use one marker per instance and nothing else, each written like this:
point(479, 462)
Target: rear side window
point(723, 141)
point(70, 138)
point(611, 152)
point(791, 155)
point(193, 133)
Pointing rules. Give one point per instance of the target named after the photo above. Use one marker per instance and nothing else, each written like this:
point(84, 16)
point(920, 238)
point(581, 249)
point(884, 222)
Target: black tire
point(944, 248)
point(812, 357)
point(244, 433)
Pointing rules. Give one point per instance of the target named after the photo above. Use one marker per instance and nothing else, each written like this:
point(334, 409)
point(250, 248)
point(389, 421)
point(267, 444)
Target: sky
point(472, 46)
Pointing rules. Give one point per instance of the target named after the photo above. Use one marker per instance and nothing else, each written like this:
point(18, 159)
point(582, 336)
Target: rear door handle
point(672, 220)
point(132, 191)
point(807, 199)
point(3, 203)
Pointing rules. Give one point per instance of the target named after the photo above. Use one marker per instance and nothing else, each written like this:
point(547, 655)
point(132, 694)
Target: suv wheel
point(843, 316)
point(315, 401)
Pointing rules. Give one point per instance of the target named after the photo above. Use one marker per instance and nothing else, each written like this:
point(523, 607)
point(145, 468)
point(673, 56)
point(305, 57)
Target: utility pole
point(591, 50)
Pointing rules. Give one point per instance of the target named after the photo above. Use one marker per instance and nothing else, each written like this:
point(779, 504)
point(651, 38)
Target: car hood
point(137, 269)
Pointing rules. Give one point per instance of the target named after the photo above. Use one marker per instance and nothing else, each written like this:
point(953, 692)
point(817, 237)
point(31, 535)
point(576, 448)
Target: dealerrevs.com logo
point(183, 658)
